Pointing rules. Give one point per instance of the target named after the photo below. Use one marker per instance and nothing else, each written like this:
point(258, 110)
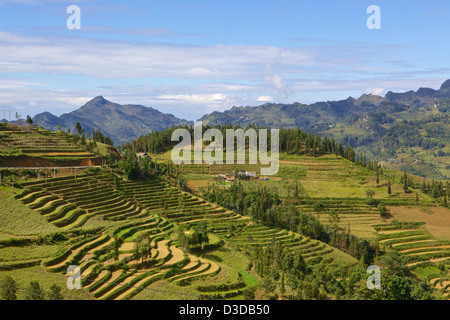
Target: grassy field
point(17, 220)
point(28, 146)
point(96, 213)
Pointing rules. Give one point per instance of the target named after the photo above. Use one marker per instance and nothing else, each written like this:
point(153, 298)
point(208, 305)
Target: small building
point(229, 178)
point(142, 155)
point(250, 174)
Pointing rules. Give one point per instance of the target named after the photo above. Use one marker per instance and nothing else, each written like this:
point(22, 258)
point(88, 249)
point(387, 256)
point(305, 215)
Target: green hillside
point(143, 228)
point(29, 146)
point(405, 131)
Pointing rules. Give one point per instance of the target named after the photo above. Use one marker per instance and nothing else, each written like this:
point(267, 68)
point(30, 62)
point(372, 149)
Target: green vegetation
point(308, 233)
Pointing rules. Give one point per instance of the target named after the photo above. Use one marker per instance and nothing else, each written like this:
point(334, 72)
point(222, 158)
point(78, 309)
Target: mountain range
point(405, 131)
point(399, 129)
point(122, 123)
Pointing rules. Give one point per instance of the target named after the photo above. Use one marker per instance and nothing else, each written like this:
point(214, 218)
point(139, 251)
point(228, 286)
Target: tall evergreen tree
point(34, 291)
point(8, 288)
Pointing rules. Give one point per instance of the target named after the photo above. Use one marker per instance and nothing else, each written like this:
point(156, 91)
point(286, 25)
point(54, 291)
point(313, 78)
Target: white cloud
point(265, 99)
point(195, 98)
point(189, 80)
point(375, 91)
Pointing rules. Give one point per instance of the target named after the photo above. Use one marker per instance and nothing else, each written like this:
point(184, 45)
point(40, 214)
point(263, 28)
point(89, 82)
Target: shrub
point(382, 209)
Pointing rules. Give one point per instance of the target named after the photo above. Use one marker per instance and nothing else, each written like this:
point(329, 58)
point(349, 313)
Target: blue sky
point(189, 58)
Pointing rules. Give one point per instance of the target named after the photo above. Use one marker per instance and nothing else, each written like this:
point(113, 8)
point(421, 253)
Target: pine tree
point(296, 195)
point(389, 190)
point(8, 288)
point(55, 293)
point(78, 128)
point(35, 291)
point(405, 182)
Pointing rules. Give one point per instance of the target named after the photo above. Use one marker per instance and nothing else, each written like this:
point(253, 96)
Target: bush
point(318, 207)
point(382, 209)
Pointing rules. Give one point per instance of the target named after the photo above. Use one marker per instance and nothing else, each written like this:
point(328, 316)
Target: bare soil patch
point(437, 219)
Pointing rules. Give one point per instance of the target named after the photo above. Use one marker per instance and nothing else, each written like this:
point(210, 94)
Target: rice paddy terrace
point(39, 147)
point(105, 216)
point(417, 228)
point(415, 225)
point(414, 242)
point(114, 214)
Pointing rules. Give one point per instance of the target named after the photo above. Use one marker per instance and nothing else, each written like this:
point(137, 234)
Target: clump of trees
point(291, 141)
point(9, 290)
point(142, 248)
point(268, 209)
point(192, 239)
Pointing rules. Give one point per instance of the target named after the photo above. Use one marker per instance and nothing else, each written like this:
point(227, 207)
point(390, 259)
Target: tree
point(334, 219)
point(115, 250)
point(55, 293)
point(370, 193)
point(405, 182)
point(29, 120)
point(382, 209)
point(268, 284)
point(83, 140)
point(78, 128)
point(389, 190)
point(318, 207)
point(8, 288)
point(34, 291)
point(296, 195)
point(183, 185)
point(137, 254)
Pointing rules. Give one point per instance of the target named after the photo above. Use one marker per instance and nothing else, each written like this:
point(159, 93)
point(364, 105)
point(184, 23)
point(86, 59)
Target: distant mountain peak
point(98, 99)
point(445, 85)
point(122, 123)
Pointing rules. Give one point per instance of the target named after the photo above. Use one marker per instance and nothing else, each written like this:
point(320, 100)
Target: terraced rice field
point(341, 187)
point(414, 242)
point(152, 209)
point(42, 143)
point(258, 235)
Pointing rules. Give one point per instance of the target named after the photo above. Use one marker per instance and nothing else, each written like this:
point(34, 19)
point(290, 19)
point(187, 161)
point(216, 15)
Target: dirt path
point(426, 252)
point(404, 238)
point(134, 287)
point(394, 231)
point(193, 262)
point(177, 256)
point(420, 248)
point(431, 260)
point(419, 241)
